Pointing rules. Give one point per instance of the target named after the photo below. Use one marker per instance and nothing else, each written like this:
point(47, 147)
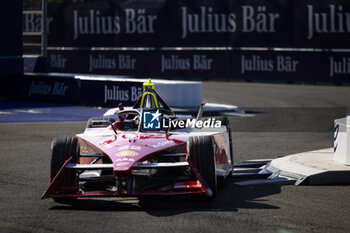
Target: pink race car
point(144, 150)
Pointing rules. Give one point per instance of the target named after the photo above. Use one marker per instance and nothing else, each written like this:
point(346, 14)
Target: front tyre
point(62, 149)
point(201, 154)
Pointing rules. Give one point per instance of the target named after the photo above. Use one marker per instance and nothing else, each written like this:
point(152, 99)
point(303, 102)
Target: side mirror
point(200, 111)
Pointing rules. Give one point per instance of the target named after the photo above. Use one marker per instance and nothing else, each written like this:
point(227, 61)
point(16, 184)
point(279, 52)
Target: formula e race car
point(143, 150)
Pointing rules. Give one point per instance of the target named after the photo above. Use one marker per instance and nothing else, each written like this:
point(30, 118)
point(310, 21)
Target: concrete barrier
point(98, 90)
point(174, 93)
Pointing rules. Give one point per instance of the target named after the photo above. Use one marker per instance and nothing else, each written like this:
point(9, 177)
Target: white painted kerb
point(309, 163)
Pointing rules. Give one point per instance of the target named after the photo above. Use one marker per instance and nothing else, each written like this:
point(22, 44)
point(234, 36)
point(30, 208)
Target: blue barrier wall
point(71, 89)
point(282, 40)
point(99, 90)
point(11, 61)
point(226, 64)
point(287, 40)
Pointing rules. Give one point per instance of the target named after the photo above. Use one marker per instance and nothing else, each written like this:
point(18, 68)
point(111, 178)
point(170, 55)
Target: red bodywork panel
point(143, 145)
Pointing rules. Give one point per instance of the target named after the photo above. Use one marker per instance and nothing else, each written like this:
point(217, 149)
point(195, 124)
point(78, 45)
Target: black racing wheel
point(98, 122)
point(62, 149)
point(201, 154)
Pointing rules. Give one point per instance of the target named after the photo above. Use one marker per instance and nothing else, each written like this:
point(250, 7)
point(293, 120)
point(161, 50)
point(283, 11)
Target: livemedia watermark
point(155, 120)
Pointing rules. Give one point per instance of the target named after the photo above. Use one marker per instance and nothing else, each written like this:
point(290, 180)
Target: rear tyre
point(94, 122)
point(201, 154)
point(62, 149)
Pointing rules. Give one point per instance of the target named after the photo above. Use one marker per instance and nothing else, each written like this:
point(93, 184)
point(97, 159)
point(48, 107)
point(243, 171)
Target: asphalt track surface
point(289, 119)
